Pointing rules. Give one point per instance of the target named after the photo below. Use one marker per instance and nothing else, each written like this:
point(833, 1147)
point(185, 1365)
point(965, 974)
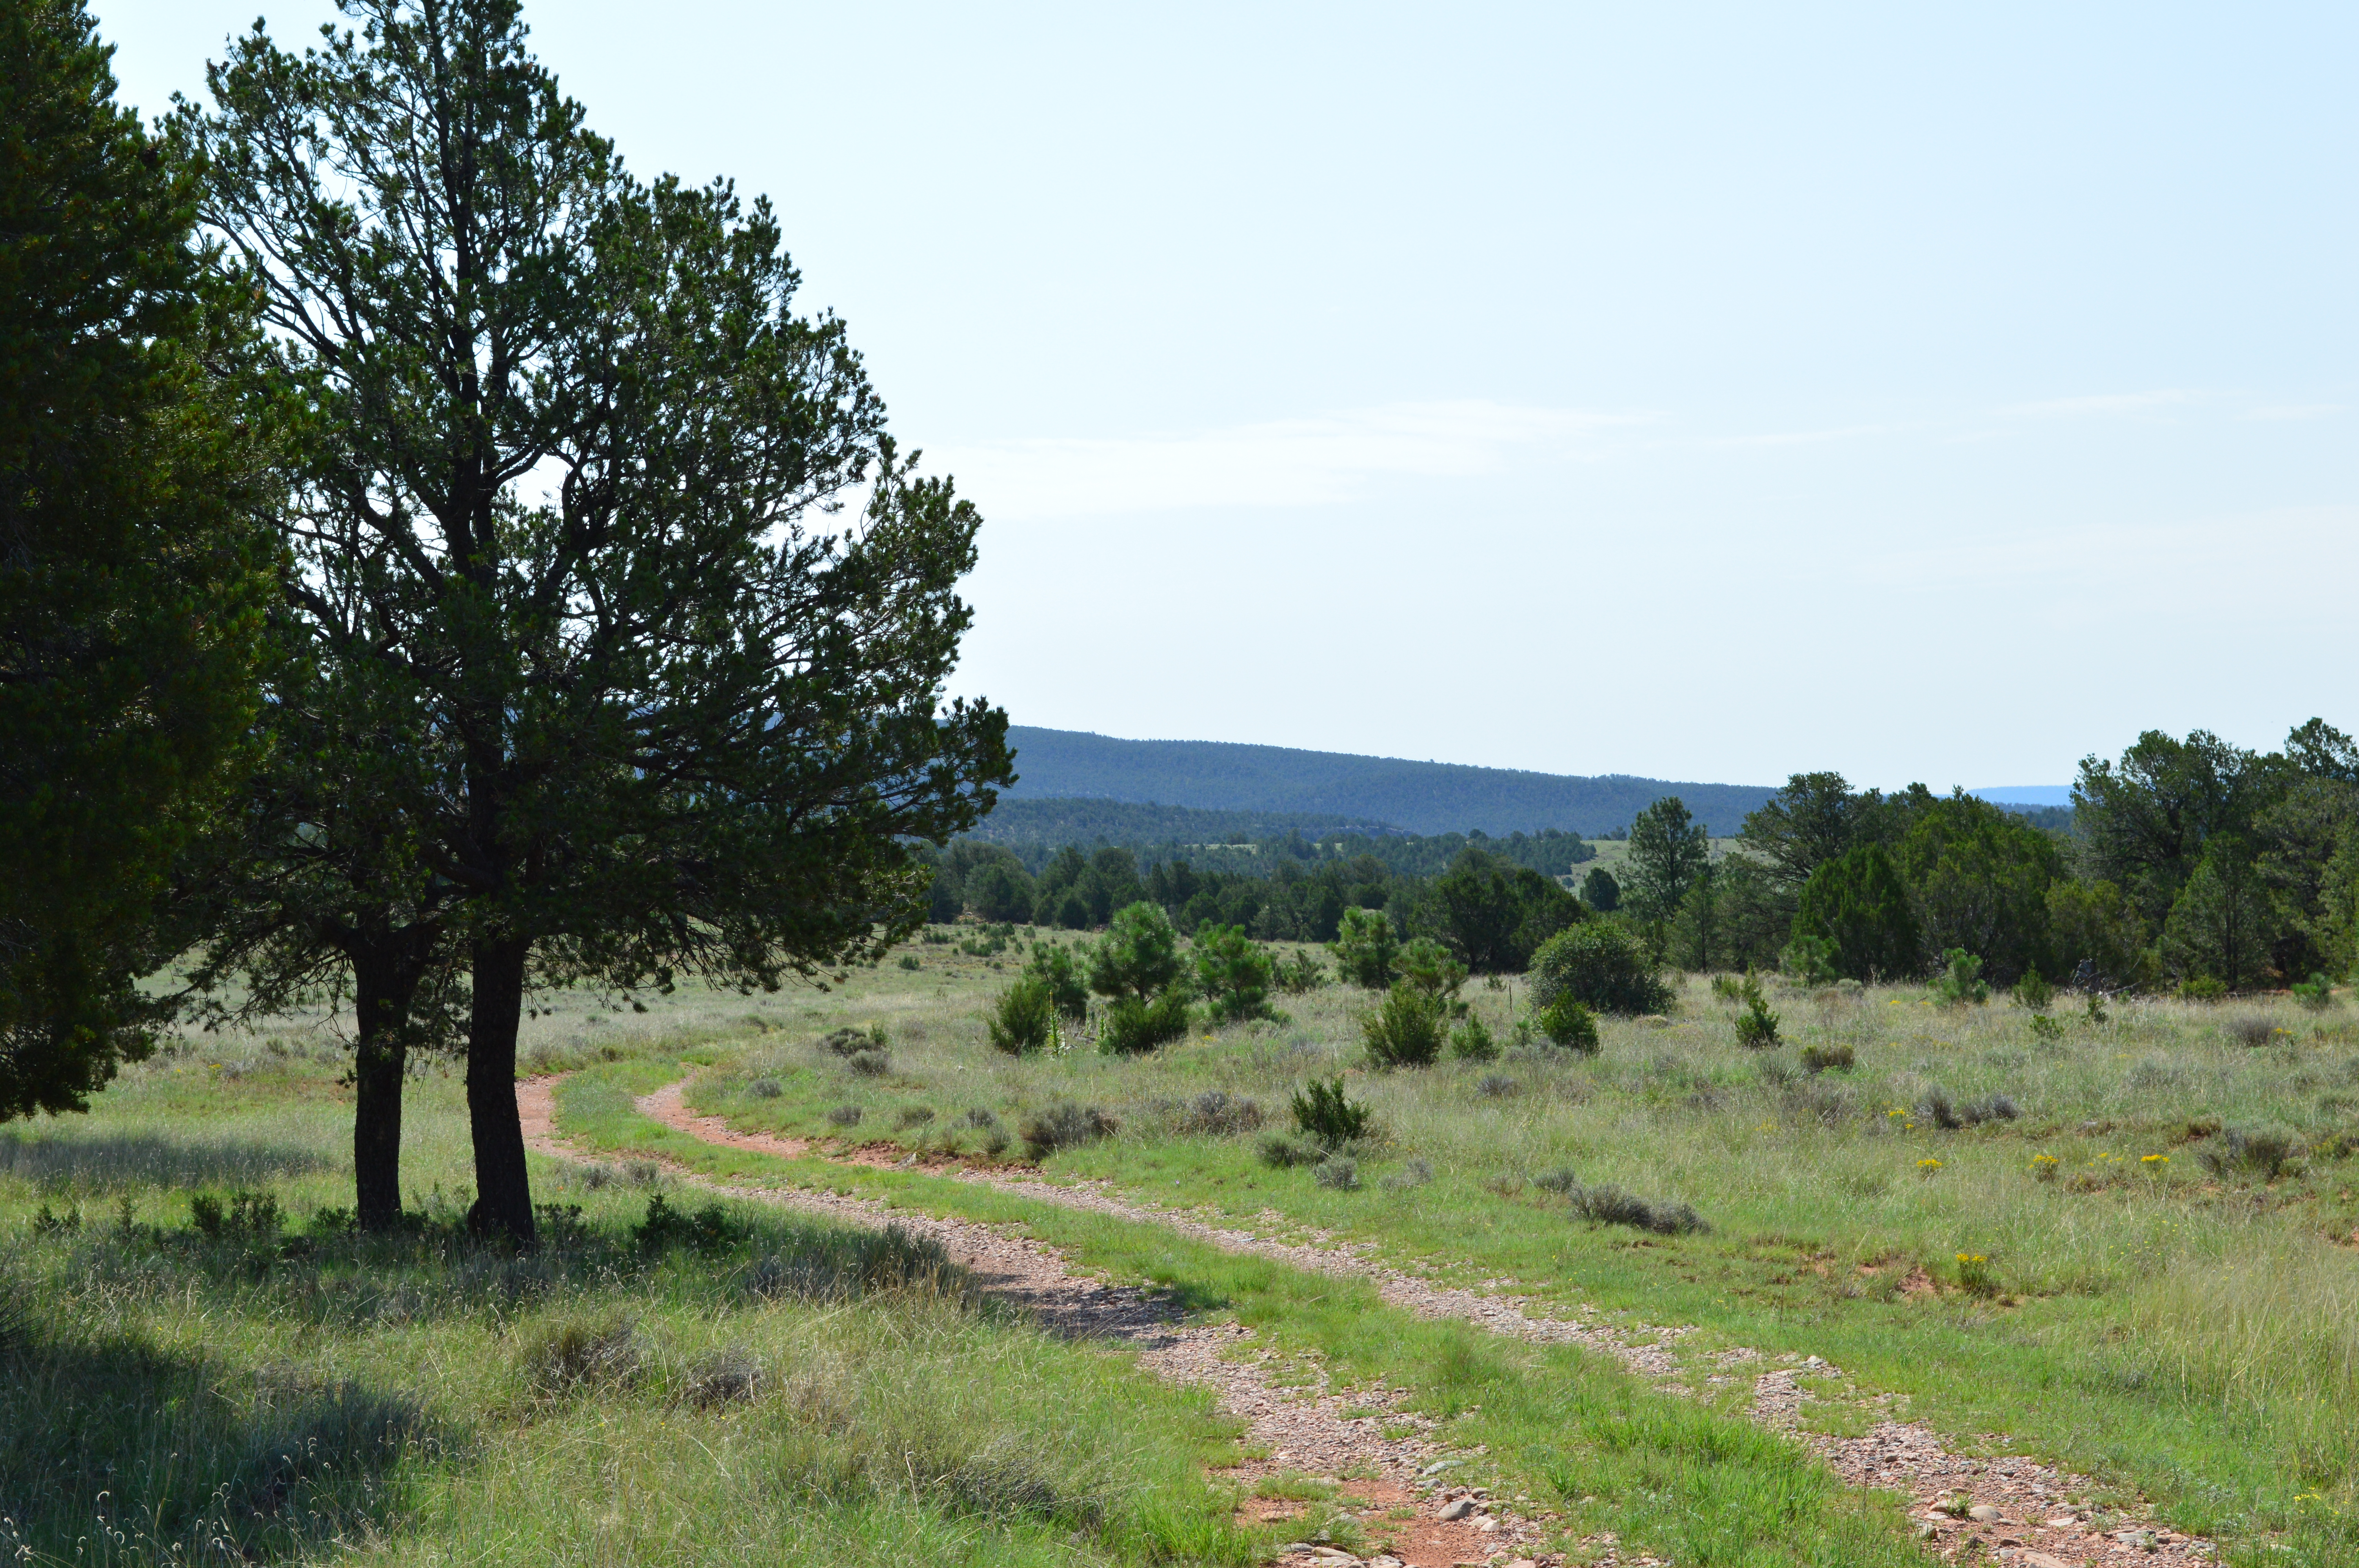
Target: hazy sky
point(1704, 391)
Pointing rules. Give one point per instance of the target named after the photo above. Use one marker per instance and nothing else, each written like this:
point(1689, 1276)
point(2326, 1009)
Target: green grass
point(1564, 1424)
point(303, 1393)
point(2167, 1328)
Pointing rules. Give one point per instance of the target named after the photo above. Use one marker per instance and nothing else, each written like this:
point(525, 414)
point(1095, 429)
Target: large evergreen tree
point(576, 487)
point(133, 586)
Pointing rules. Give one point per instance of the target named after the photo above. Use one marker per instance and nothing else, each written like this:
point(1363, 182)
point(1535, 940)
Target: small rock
point(2062, 1522)
point(1983, 1513)
point(1456, 1510)
point(1438, 1465)
point(1486, 1524)
point(2039, 1560)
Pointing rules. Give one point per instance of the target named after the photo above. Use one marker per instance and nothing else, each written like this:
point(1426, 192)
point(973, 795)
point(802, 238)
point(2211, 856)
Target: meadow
point(2143, 1273)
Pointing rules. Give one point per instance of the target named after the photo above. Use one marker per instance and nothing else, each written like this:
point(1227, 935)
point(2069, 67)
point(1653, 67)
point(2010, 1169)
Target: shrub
point(1364, 948)
point(1302, 972)
point(2202, 988)
point(1337, 1173)
point(1612, 1205)
point(1287, 1149)
point(709, 1229)
point(1132, 1026)
point(1602, 966)
point(247, 1214)
point(1498, 1086)
point(1024, 1018)
point(1570, 1024)
point(1233, 973)
point(1729, 987)
point(1064, 1126)
point(1961, 981)
point(1809, 960)
point(845, 1116)
point(1061, 970)
point(1756, 1026)
point(2316, 993)
point(1406, 1028)
point(1415, 1173)
point(1321, 1111)
point(1471, 1042)
point(1430, 967)
point(870, 1064)
point(764, 1089)
point(854, 1042)
point(1218, 1114)
point(2046, 1028)
point(1938, 1108)
point(1828, 1058)
point(2261, 1151)
point(2034, 992)
point(909, 961)
point(2252, 1032)
point(911, 1116)
point(1139, 956)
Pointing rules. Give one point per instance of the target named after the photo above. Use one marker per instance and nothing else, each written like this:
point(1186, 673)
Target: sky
point(1701, 391)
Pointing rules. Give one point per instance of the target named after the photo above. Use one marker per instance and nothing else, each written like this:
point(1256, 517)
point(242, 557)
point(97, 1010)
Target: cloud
point(2102, 402)
point(1289, 462)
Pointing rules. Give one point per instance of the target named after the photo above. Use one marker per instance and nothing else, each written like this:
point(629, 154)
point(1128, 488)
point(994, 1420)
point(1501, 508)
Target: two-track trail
point(2011, 1509)
point(1301, 1430)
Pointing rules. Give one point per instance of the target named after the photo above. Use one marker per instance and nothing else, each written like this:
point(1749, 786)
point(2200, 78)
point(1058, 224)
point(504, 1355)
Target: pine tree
point(133, 583)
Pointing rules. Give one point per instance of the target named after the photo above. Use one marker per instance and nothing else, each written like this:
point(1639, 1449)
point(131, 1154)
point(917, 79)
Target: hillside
point(1055, 820)
point(1424, 798)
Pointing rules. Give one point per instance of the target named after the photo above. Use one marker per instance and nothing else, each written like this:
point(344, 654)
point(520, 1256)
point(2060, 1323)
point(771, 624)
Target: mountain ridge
point(1422, 797)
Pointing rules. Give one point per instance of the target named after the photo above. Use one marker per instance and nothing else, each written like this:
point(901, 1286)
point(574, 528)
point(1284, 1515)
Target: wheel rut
point(2009, 1509)
point(1307, 1429)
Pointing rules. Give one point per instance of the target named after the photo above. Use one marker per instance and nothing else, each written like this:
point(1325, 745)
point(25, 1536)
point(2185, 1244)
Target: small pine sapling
point(1322, 1112)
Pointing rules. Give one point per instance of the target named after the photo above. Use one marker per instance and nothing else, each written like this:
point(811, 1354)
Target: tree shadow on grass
point(109, 1161)
point(118, 1450)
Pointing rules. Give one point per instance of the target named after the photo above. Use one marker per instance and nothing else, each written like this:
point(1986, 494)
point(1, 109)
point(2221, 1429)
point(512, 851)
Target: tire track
point(2011, 1506)
point(1306, 1431)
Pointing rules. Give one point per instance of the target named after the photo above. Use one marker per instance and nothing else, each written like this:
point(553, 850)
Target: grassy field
point(268, 1387)
point(2146, 1293)
point(2161, 1300)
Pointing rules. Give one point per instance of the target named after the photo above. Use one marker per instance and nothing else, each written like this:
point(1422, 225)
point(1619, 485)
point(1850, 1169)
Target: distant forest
point(2187, 864)
point(1423, 797)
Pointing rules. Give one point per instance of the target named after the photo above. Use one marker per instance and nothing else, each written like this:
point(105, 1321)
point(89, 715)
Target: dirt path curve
point(1305, 1431)
point(2012, 1507)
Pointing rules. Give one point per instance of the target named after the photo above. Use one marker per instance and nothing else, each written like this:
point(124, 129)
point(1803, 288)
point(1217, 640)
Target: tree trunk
point(385, 983)
point(503, 1190)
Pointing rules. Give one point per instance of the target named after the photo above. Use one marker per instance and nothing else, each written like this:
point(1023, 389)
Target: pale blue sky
point(1705, 392)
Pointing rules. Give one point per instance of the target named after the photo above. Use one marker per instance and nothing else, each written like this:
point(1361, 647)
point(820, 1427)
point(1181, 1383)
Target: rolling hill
point(1423, 797)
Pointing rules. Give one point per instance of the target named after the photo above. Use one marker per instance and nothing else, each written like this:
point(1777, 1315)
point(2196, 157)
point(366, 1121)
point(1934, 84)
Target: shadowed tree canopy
point(132, 582)
point(663, 610)
point(2146, 818)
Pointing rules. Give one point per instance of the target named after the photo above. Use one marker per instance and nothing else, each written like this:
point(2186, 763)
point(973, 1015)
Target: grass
point(2171, 1329)
point(730, 1386)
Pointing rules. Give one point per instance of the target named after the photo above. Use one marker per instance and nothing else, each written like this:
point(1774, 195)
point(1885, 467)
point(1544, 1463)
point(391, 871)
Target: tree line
point(2189, 862)
point(2186, 863)
point(441, 565)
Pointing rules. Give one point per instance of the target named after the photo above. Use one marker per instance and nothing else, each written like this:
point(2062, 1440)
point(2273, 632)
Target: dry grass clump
point(842, 1266)
point(571, 1357)
point(2263, 1151)
point(1611, 1205)
point(1216, 1113)
point(1938, 1107)
point(1064, 1126)
point(845, 1116)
